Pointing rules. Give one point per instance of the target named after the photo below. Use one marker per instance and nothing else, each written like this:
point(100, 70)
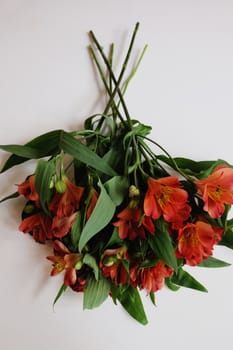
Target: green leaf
point(100, 217)
point(161, 244)
point(60, 292)
point(152, 298)
point(171, 285)
point(76, 230)
point(91, 261)
point(117, 188)
point(76, 149)
point(44, 145)
point(184, 279)
point(114, 239)
point(227, 239)
point(22, 151)
point(130, 299)
point(213, 262)
point(43, 176)
point(95, 293)
point(199, 169)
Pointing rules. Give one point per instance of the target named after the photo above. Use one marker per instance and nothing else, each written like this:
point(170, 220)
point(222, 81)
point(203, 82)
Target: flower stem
point(117, 82)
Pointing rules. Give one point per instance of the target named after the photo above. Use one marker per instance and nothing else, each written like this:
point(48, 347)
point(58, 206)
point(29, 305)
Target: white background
point(184, 89)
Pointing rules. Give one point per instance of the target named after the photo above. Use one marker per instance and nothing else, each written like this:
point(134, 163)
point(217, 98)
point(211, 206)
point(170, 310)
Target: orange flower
point(65, 204)
point(217, 190)
point(61, 226)
point(150, 278)
point(112, 266)
point(196, 241)
point(132, 224)
point(165, 197)
point(28, 189)
point(38, 225)
point(65, 260)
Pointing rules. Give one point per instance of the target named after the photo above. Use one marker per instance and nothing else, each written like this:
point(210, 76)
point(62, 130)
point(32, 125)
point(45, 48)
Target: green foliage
point(43, 177)
point(95, 293)
point(183, 279)
point(161, 244)
point(100, 217)
point(131, 301)
point(213, 262)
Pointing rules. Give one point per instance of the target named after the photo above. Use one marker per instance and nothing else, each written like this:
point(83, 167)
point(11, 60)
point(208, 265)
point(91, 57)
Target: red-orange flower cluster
point(217, 190)
point(196, 241)
point(63, 208)
point(165, 197)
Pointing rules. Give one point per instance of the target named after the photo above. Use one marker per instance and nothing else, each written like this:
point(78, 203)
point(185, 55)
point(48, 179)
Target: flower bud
point(133, 191)
point(109, 260)
point(28, 209)
point(78, 265)
point(60, 186)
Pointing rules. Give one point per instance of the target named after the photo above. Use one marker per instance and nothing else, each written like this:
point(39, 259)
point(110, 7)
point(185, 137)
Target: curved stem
point(170, 157)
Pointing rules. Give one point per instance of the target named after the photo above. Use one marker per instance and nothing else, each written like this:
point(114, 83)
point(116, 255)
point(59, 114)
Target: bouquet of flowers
point(120, 216)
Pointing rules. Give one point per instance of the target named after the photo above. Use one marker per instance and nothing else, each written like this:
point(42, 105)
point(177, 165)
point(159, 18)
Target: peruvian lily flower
point(217, 190)
point(38, 225)
point(196, 241)
point(66, 203)
point(65, 260)
point(112, 266)
point(61, 226)
point(133, 223)
point(150, 278)
point(165, 197)
point(28, 189)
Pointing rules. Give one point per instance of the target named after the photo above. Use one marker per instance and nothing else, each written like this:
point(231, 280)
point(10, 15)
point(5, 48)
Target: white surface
point(184, 89)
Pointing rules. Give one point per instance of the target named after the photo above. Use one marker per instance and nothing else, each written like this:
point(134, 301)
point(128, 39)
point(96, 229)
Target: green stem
point(117, 83)
point(170, 157)
point(134, 71)
point(106, 86)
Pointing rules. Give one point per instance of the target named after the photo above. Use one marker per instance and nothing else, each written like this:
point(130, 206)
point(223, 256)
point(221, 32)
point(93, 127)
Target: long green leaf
point(130, 299)
point(95, 293)
point(100, 217)
point(47, 144)
point(161, 244)
point(43, 175)
point(213, 262)
point(199, 169)
point(22, 151)
point(76, 149)
point(184, 279)
point(91, 261)
point(59, 293)
point(117, 188)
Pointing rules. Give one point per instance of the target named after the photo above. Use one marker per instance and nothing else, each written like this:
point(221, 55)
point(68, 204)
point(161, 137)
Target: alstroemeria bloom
point(196, 241)
point(65, 260)
point(165, 197)
point(65, 204)
point(61, 226)
point(133, 223)
point(38, 225)
point(150, 278)
point(112, 266)
point(217, 190)
point(28, 189)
